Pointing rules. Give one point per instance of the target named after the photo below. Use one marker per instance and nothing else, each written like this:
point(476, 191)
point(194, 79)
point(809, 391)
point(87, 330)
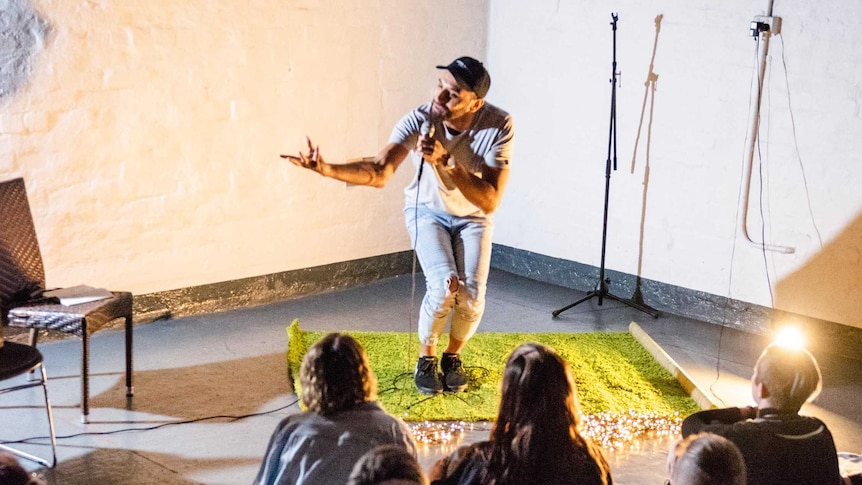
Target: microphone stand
point(601, 289)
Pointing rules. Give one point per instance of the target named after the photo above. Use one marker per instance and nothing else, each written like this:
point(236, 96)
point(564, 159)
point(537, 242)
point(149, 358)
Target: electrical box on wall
point(763, 23)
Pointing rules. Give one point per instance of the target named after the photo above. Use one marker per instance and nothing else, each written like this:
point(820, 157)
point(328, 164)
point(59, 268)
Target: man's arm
point(486, 192)
point(373, 173)
point(700, 420)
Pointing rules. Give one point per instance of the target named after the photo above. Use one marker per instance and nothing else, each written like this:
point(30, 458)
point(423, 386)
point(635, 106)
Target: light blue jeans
point(450, 247)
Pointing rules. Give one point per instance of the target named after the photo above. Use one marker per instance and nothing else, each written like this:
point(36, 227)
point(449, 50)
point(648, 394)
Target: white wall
point(551, 63)
point(148, 133)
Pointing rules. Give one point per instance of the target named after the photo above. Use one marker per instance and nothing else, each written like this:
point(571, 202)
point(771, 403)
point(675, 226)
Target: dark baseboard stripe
point(837, 338)
point(661, 296)
point(699, 305)
point(260, 290)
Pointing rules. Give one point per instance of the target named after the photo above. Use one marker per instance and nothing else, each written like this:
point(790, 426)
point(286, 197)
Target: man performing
point(460, 146)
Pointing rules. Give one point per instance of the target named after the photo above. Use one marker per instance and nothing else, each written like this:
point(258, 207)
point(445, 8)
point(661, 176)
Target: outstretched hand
point(311, 161)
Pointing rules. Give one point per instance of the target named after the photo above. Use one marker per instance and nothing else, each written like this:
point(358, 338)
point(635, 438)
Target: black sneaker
point(427, 378)
point(454, 377)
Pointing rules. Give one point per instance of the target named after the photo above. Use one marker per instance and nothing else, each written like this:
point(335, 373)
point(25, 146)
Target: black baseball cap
point(470, 74)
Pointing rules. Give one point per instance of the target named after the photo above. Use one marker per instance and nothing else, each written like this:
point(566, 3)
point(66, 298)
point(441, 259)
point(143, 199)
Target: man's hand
point(370, 171)
point(748, 412)
point(312, 160)
point(432, 151)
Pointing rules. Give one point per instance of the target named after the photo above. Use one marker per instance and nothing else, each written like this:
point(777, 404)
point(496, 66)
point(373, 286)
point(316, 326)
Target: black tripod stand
point(601, 289)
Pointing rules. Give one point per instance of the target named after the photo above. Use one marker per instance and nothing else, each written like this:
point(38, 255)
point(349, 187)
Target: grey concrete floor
point(232, 364)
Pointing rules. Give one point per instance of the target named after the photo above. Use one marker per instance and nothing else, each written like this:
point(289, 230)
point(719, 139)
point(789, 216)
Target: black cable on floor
point(150, 428)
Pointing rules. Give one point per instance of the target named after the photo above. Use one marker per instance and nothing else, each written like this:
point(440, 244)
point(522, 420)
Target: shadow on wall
point(22, 34)
point(649, 93)
point(829, 286)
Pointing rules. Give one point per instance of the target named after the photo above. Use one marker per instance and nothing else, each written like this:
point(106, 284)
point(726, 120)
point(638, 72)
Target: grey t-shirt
point(309, 449)
point(488, 141)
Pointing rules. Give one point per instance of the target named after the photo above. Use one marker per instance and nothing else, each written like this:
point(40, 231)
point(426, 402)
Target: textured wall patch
point(22, 34)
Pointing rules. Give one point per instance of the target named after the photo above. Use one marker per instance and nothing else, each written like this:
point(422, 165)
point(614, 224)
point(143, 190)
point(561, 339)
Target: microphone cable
point(427, 129)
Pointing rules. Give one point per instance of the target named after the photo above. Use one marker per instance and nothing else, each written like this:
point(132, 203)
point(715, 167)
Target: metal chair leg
point(130, 388)
point(34, 337)
point(28, 456)
point(50, 418)
point(85, 379)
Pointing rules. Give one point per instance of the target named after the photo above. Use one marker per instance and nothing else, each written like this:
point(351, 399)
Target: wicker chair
point(22, 282)
point(15, 360)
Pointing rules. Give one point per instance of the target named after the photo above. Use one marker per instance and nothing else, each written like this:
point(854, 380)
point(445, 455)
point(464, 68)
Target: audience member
point(536, 437)
point(779, 445)
point(342, 421)
point(705, 459)
point(387, 465)
point(12, 473)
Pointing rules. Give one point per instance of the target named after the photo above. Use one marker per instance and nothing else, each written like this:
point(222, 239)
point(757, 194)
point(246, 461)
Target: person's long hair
point(536, 438)
point(335, 375)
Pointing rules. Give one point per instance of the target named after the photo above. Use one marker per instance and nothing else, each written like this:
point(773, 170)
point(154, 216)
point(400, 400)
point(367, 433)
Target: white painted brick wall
point(149, 132)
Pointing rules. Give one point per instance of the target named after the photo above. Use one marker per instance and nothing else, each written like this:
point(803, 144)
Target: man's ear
point(477, 103)
point(764, 391)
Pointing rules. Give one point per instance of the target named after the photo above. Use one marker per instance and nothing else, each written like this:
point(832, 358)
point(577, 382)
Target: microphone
point(426, 130)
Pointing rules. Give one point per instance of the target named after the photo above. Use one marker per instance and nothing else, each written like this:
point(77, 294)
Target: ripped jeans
point(454, 252)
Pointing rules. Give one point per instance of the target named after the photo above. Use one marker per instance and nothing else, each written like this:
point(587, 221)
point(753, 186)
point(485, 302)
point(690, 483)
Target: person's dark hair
point(387, 464)
point(536, 437)
point(708, 459)
point(335, 375)
point(12, 473)
point(791, 375)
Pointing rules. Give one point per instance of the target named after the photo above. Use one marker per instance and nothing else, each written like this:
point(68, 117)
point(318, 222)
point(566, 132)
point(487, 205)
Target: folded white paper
point(75, 295)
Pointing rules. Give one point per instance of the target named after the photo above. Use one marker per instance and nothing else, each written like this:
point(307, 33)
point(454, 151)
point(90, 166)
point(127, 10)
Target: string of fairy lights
point(617, 430)
point(612, 431)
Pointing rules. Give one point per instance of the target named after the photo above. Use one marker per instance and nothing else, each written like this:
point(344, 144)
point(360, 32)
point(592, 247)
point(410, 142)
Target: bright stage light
point(790, 337)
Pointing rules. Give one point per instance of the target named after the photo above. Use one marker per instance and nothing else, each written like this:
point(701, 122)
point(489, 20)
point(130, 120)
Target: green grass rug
point(613, 372)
